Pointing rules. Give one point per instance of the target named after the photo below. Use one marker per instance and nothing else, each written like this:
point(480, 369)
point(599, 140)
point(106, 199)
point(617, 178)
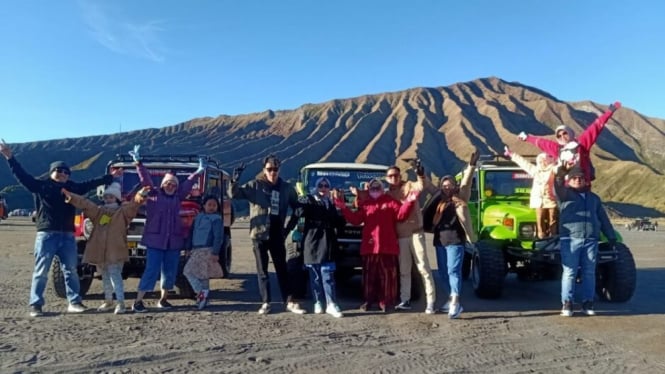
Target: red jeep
point(213, 181)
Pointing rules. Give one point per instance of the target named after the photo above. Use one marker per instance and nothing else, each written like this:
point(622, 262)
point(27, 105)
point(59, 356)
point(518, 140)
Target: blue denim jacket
point(207, 232)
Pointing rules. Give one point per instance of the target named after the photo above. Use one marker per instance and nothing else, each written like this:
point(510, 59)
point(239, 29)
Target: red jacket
point(379, 217)
point(586, 140)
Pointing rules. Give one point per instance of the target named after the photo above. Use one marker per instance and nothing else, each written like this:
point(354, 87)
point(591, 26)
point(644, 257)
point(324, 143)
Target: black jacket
point(319, 240)
point(53, 213)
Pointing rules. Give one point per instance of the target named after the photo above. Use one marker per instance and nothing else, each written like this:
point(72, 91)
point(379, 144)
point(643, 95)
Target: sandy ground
point(520, 333)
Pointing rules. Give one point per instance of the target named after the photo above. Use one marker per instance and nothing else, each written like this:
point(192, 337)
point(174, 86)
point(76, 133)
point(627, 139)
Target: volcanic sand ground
point(521, 332)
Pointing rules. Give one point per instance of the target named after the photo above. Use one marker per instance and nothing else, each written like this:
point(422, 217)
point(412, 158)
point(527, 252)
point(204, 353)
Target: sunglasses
point(62, 171)
point(392, 175)
point(323, 185)
point(562, 133)
point(272, 170)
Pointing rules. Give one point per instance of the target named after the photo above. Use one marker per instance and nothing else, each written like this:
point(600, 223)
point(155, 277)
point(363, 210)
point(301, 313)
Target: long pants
point(322, 280)
point(296, 270)
point(547, 222)
point(380, 279)
point(112, 282)
point(196, 270)
point(578, 253)
point(48, 245)
point(453, 256)
point(278, 254)
point(412, 249)
point(159, 261)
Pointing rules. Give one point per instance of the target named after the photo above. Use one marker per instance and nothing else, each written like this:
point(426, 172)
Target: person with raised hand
point(55, 227)
point(379, 248)
point(163, 235)
point(107, 246)
point(542, 193)
point(270, 197)
point(571, 150)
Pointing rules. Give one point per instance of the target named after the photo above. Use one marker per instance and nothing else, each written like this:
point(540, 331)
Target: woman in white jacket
point(542, 192)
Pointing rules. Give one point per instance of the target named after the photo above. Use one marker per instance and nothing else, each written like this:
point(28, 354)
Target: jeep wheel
point(58, 280)
point(488, 269)
point(616, 280)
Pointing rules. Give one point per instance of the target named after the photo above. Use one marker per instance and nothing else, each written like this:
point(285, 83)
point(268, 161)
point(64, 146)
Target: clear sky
point(75, 68)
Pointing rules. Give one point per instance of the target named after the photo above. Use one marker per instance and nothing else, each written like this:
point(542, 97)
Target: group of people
point(393, 234)
point(565, 206)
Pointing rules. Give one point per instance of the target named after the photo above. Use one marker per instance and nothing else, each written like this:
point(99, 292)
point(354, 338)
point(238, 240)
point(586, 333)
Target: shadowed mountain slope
point(440, 125)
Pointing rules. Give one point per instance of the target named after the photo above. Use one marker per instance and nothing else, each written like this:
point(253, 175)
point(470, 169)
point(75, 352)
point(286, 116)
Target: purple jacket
point(163, 226)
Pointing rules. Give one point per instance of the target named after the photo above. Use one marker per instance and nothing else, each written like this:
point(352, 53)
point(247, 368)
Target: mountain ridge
point(440, 125)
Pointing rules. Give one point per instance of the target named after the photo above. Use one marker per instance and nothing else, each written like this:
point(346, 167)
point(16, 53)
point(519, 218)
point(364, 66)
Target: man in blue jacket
point(55, 228)
point(581, 219)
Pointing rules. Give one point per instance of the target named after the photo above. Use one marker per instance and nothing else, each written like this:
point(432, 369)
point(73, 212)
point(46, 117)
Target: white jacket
point(542, 190)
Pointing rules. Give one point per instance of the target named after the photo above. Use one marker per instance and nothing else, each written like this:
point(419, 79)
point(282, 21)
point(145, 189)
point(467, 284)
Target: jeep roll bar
point(167, 158)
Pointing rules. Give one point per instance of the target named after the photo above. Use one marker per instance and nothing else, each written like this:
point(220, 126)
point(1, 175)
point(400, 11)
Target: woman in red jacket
point(379, 248)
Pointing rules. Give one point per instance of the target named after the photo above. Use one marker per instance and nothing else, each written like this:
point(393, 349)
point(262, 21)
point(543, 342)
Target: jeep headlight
point(528, 230)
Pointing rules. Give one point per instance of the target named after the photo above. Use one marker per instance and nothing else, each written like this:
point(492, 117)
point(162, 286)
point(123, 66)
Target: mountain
point(442, 126)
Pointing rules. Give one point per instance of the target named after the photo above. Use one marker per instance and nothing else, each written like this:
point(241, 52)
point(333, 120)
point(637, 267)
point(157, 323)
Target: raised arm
point(591, 133)
point(90, 209)
point(529, 167)
point(546, 145)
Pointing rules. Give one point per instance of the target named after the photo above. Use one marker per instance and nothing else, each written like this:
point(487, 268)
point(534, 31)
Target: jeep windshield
point(507, 183)
point(342, 178)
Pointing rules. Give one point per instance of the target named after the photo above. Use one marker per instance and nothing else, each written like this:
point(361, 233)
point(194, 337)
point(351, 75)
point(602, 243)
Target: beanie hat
point(114, 190)
point(169, 177)
point(575, 171)
point(58, 165)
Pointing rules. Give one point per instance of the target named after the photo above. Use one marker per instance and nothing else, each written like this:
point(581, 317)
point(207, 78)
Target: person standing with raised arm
point(55, 227)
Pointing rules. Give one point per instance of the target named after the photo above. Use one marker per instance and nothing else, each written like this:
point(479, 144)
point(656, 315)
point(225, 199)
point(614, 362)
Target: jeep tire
point(488, 269)
point(616, 280)
point(58, 280)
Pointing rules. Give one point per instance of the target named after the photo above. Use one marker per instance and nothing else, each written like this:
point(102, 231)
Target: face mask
point(375, 194)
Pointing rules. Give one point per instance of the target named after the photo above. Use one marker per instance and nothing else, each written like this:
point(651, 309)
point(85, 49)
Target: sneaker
point(163, 304)
point(567, 309)
point(36, 311)
point(382, 307)
point(201, 300)
point(76, 308)
point(587, 308)
point(445, 307)
point(120, 309)
point(404, 305)
point(138, 307)
point(430, 309)
point(106, 306)
point(265, 309)
point(455, 310)
point(318, 308)
point(295, 308)
point(334, 311)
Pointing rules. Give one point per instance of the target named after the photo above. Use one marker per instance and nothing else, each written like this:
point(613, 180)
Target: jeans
point(159, 260)
point(278, 255)
point(453, 256)
point(578, 253)
point(412, 248)
point(112, 282)
point(47, 245)
point(322, 279)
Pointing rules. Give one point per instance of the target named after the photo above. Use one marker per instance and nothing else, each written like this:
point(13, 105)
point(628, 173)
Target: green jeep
point(507, 242)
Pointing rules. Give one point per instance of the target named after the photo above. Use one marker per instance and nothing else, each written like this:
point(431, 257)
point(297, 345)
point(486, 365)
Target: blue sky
point(75, 68)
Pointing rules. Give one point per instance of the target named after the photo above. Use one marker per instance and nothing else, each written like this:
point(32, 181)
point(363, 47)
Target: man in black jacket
point(55, 228)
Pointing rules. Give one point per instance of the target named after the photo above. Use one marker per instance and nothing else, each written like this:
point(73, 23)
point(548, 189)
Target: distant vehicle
point(213, 181)
point(642, 224)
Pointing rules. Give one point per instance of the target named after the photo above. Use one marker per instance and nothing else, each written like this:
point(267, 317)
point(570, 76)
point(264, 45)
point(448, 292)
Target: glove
point(237, 172)
point(135, 153)
point(507, 152)
point(202, 166)
point(522, 136)
point(614, 106)
point(420, 170)
point(474, 158)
